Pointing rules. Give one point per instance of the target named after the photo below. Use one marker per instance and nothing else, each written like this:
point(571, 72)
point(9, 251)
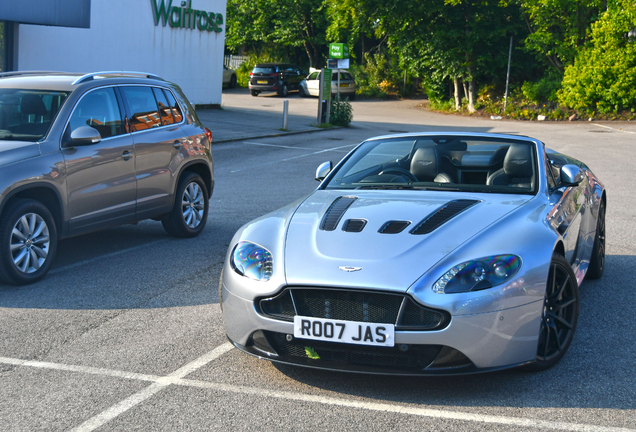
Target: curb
point(272, 135)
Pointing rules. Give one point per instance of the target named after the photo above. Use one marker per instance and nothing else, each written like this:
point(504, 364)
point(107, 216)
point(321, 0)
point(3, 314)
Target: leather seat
point(425, 166)
point(31, 104)
point(517, 169)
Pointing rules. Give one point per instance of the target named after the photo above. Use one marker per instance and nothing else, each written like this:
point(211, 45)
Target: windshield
point(26, 115)
point(452, 163)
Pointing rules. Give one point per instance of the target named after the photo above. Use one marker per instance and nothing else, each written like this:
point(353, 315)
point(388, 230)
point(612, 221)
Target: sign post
point(324, 98)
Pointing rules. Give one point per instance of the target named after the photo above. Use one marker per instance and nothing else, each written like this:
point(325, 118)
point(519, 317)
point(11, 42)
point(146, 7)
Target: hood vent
point(394, 227)
point(442, 215)
point(354, 225)
point(335, 212)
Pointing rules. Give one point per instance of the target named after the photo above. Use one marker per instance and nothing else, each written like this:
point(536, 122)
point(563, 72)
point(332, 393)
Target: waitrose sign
point(185, 17)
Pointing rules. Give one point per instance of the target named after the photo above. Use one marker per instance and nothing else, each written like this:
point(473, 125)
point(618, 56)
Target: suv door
point(100, 178)
point(154, 120)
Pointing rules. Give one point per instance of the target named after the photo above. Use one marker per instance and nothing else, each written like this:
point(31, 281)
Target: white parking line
point(614, 129)
point(176, 378)
point(163, 382)
point(101, 257)
point(297, 157)
point(276, 145)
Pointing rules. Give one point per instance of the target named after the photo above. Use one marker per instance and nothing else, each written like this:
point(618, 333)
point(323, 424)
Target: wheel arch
point(44, 193)
point(202, 170)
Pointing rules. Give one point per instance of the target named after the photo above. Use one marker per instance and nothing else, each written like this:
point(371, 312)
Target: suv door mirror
point(84, 135)
point(571, 175)
point(324, 169)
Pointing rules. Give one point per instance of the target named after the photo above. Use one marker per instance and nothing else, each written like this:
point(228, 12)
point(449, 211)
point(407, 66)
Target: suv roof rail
point(91, 76)
point(29, 72)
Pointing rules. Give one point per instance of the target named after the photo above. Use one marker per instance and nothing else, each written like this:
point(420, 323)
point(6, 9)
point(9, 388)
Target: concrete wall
point(123, 36)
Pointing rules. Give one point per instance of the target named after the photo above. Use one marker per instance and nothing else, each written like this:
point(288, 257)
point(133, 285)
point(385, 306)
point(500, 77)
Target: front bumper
point(470, 343)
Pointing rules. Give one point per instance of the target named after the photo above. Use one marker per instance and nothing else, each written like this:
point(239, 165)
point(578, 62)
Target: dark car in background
point(79, 153)
point(279, 77)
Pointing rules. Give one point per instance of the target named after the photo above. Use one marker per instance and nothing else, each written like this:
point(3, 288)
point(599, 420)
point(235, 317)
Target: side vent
point(394, 227)
point(354, 225)
point(442, 215)
point(333, 215)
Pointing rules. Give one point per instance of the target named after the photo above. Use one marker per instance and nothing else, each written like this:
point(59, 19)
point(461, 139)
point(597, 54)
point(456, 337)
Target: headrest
point(518, 161)
point(424, 164)
point(32, 104)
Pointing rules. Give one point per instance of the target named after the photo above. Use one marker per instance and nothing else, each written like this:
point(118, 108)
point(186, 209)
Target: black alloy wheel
point(301, 91)
point(560, 314)
point(254, 93)
point(28, 241)
point(597, 261)
point(232, 81)
point(284, 90)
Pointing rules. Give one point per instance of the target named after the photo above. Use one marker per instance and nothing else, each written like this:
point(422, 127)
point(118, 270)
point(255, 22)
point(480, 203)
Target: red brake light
point(274, 74)
point(251, 74)
point(208, 134)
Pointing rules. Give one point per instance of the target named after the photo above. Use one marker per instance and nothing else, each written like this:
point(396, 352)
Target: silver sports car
point(421, 254)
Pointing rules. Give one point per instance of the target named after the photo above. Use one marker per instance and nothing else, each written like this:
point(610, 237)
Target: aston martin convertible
point(421, 254)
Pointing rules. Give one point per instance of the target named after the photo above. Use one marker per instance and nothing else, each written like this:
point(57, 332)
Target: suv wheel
point(233, 81)
point(284, 90)
point(190, 211)
point(28, 238)
point(254, 93)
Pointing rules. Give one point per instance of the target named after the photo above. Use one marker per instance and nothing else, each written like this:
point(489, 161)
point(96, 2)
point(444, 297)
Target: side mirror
point(571, 175)
point(324, 169)
point(84, 135)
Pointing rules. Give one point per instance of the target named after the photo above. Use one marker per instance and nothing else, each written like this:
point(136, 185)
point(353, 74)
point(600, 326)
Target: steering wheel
point(400, 171)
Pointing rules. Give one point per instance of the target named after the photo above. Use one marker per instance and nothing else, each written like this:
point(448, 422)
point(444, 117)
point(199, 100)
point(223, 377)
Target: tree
point(559, 28)
point(284, 23)
point(603, 76)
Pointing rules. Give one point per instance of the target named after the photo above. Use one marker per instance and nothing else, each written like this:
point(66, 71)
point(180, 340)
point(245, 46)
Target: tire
point(301, 91)
point(232, 81)
point(254, 93)
point(190, 211)
point(597, 261)
point(283, 91)
point(28, 238)
point(560, 314)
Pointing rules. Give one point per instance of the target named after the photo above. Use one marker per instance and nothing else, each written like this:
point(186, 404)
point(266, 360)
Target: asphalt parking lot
point(126, 332)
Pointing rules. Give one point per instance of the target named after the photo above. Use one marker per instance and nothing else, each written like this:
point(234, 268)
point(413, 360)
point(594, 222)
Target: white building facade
point(180, 41)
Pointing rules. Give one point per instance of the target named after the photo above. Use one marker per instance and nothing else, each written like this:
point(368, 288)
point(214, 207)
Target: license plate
point(344, 85)
point(350, 332)
point(261, 82)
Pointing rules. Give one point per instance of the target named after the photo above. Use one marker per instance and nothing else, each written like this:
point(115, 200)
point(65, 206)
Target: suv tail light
point(274, 74)
point(208, 134)
point(251, 74)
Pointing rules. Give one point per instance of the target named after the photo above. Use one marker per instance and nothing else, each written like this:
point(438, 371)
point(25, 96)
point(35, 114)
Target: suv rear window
point(26, 115)
point(264, 70)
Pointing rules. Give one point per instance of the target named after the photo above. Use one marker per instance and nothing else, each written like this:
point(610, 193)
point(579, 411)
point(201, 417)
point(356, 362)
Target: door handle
point(126, 155)
point(177, 144)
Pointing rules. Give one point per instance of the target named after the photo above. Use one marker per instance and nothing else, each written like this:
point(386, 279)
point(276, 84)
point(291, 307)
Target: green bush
point(542, 91)
point(603, 76)
point(340, 113)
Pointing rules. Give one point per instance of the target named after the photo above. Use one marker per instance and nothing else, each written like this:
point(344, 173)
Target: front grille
point(414, 357)
point(353, 305)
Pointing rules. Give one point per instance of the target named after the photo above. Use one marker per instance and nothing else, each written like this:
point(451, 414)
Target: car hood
point(13, 151)
point(370, 259)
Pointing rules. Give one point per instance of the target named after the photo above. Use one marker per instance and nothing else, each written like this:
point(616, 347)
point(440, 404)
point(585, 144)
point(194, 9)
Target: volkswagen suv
point(79, 153)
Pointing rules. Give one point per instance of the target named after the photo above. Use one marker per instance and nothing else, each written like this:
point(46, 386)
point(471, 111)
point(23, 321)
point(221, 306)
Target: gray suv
point(79, 153)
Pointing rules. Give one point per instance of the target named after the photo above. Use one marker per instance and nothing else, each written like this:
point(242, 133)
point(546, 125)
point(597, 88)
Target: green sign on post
point(326, 84)
point(338, 51)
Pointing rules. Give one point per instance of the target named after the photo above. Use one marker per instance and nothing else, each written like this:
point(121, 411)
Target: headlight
point(478, 274)
point(252, 261)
